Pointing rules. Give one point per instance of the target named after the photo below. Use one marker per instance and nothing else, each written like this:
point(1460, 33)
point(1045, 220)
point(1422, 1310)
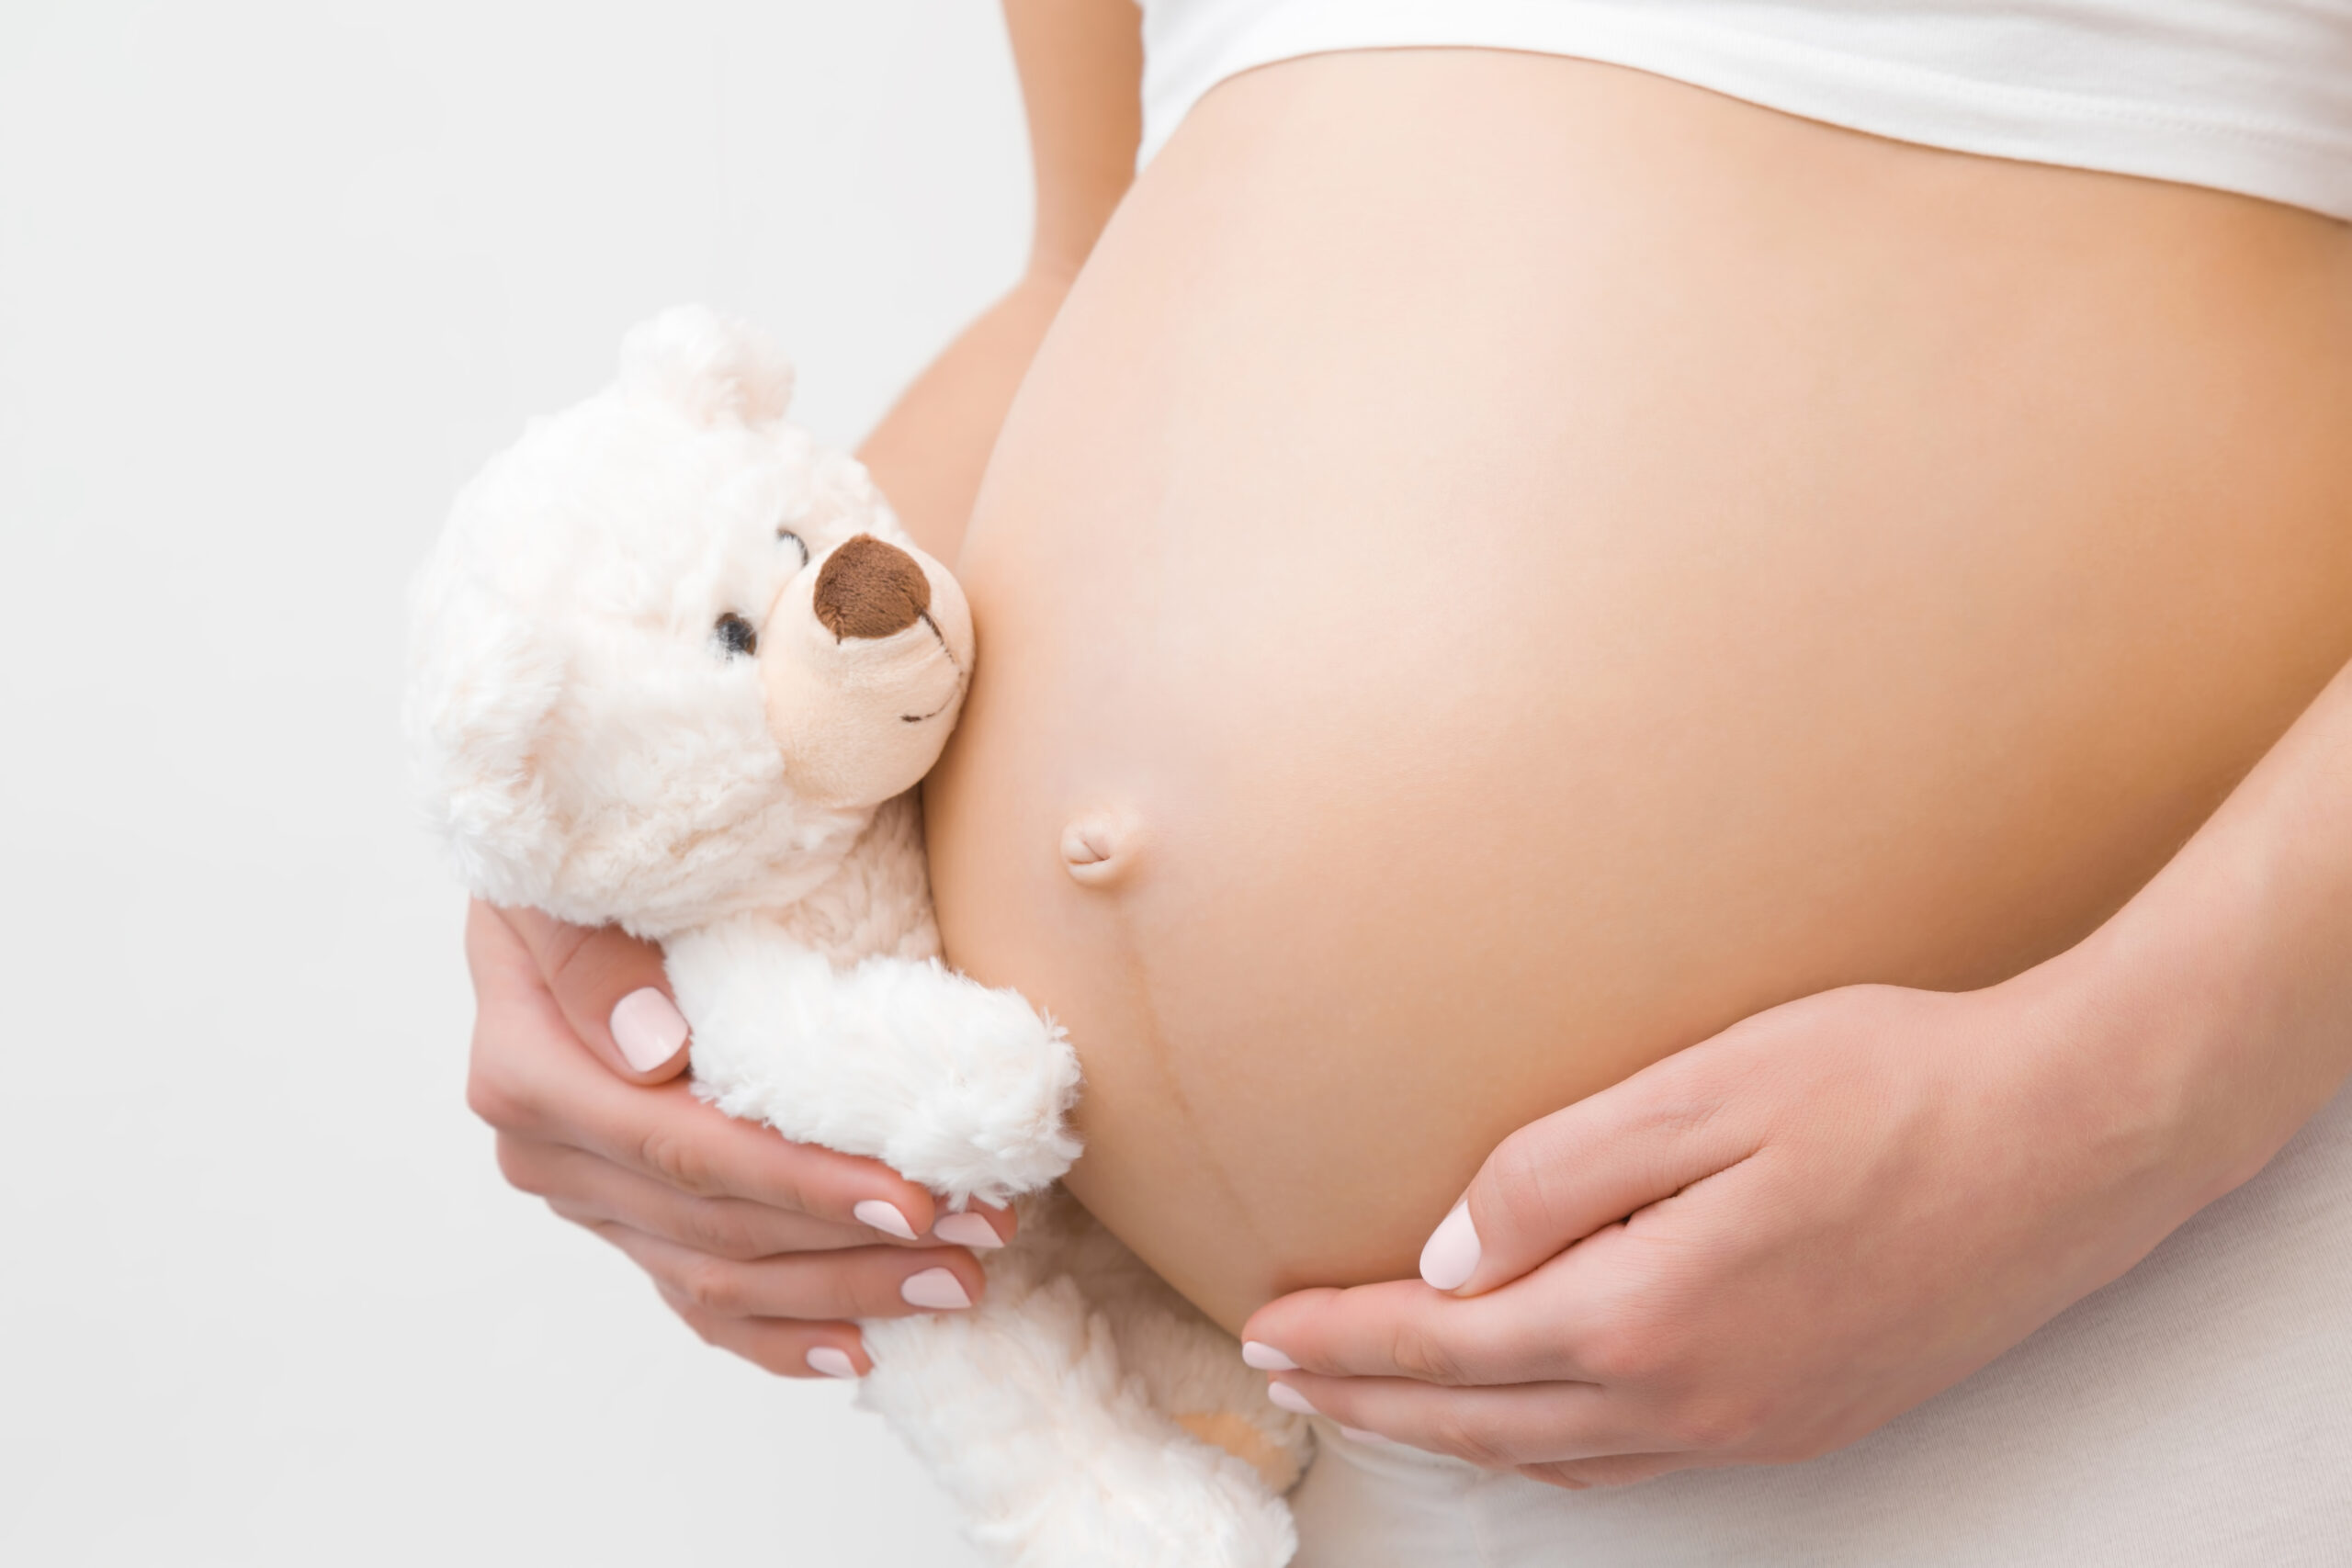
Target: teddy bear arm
point(962, 1088)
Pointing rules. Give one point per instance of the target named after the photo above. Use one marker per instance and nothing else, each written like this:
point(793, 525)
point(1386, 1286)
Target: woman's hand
point(763, 1246)
point(1764, 1247)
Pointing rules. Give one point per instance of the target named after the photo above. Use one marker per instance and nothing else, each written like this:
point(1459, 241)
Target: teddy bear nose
point(870, 589)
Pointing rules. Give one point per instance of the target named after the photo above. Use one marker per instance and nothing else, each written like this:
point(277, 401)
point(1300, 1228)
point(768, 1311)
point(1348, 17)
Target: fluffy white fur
point(589, 742)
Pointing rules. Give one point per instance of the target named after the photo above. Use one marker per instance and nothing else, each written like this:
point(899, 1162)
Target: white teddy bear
point(675, 666)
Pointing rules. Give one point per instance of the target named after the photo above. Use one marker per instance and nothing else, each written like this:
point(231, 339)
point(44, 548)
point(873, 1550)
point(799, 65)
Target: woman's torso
point(1524, 563)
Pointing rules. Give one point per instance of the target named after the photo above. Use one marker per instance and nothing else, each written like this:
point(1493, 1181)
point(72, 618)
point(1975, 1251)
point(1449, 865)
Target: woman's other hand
point(1763, 1248)
point(765, 1248)
point(1767, 1245)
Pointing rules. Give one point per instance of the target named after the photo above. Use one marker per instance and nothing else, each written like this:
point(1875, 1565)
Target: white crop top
point(2250, 96)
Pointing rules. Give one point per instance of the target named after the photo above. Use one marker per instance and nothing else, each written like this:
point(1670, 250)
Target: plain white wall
point(274, 279)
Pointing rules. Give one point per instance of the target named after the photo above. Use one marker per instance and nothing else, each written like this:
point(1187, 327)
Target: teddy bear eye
point(736, 634)
point(798, 543)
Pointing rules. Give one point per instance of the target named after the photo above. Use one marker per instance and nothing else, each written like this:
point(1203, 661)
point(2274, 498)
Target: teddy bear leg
point(1057, 1457)
point(1191, 1368)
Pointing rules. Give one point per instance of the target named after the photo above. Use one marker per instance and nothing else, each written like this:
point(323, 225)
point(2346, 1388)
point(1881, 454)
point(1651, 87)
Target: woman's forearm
point(2230, 974)
point(929, 450)
point(1081, 63)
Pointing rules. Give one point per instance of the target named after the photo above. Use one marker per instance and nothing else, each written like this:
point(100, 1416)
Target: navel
point(1098, 847)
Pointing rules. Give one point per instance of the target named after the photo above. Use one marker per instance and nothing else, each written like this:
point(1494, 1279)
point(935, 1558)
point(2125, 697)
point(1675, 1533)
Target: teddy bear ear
point(479, 696)
point(715, 369)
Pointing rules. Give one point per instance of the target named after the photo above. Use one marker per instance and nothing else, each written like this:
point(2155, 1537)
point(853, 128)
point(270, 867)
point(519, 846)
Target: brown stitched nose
point(870, 589)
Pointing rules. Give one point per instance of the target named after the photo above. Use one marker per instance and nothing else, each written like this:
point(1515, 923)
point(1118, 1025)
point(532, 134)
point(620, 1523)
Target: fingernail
point(935, 1288)
point(967, 1230)
point(1357, 1433)
point(1452, 1255)
point(832, 1362)
point(1265, 1358)
point(1290, 1399)
point(648, 1028)
point(884, 1217)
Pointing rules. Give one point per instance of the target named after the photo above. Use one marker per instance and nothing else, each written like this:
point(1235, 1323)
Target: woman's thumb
point(1556, 1181)
point(611, 989)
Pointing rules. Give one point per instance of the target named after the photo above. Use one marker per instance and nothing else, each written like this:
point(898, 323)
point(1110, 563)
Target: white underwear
point(2195, 1414)
point(2250, 96)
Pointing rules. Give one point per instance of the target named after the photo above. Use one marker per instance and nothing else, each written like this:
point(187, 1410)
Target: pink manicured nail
point(648, 1028)
point(884, 1217)
point(1452, 1255)
point(832, 1362)
point(1290, 1399)
point(1358, 1433)
point(935, 1288)
point(1265, 1358)
point(966, 1229)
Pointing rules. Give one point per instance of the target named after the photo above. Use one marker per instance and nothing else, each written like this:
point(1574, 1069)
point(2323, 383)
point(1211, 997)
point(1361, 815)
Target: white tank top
point(2249, 96)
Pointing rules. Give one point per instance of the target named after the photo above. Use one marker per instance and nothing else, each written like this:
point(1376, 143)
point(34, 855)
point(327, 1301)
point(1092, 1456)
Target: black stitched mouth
point(953, 664)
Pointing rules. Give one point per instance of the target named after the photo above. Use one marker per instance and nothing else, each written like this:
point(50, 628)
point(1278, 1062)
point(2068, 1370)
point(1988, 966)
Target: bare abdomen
point(1517, 564)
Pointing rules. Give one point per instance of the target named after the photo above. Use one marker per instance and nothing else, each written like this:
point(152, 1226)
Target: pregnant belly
point(1505, 566)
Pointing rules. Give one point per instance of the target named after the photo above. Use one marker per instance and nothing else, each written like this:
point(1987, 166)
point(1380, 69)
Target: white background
point(275, 278)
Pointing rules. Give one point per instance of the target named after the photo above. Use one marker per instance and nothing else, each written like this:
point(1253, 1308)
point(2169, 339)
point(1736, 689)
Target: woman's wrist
point(2217, 1003)
point(2132, 1065)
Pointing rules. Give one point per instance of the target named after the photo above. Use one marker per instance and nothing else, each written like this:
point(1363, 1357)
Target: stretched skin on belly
point(1464, 615)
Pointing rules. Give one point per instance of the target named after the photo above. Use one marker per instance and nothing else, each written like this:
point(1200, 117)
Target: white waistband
point(2248, 96)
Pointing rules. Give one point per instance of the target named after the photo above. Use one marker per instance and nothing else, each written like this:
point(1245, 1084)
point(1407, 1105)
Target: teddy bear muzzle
point(865, 662)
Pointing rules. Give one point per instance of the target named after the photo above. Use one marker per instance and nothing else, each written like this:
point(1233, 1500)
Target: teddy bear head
point(670, 651)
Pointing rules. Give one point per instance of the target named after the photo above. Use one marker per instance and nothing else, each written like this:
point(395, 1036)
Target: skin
point(1809, 777)
point(1765, 1247)
point(1663, 558)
